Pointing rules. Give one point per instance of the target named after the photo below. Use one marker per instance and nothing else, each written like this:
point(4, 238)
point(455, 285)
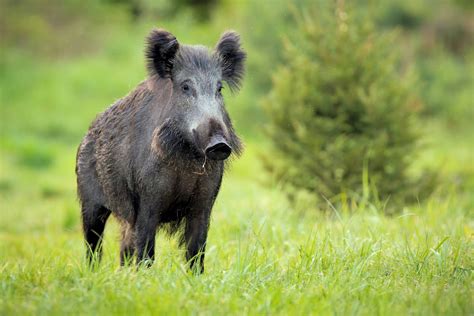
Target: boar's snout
point(218, 148)
point(210, 137)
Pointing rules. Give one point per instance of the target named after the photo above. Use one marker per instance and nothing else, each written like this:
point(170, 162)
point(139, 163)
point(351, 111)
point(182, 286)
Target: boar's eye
point(185, 87)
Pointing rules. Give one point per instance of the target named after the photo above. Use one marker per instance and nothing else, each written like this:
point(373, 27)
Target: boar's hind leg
point(127, 247)
point(195, 235)
point(93, 220)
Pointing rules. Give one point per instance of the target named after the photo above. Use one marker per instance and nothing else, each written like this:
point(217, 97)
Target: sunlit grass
point(263, 256)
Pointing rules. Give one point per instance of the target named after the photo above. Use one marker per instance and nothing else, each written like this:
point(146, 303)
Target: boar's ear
point(160, 51)
point(232, 59)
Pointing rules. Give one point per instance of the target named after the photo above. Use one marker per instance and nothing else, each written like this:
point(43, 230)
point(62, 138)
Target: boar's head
point(195, 118)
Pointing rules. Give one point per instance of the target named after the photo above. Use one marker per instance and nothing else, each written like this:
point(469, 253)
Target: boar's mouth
point(218, 148)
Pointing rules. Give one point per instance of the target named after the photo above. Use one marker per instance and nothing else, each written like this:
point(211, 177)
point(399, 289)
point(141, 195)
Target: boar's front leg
point(195, 235)
point(145, 230)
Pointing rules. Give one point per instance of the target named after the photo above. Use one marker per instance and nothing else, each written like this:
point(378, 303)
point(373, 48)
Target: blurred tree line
point(55, 28)
point(139, 9)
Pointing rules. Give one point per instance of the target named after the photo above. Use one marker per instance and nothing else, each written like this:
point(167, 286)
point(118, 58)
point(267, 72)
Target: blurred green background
point(63, 62)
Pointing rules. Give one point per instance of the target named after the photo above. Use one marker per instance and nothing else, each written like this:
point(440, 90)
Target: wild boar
point(155, 158)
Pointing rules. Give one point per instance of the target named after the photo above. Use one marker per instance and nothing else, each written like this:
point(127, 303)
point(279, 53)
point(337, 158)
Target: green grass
point(265, 256)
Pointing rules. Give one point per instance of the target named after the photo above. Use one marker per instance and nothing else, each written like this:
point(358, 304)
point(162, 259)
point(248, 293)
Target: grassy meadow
point(265, 255)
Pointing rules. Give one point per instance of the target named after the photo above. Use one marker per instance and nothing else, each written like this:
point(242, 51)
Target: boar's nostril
point(219, 151)
point(218, 148)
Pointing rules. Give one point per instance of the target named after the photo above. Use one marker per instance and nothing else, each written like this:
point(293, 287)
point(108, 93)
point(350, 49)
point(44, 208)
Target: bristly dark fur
point(152, 159)
point(235, 141)
point(232, 59)
point(160, 51)
point(173, 143)
point(197, 58)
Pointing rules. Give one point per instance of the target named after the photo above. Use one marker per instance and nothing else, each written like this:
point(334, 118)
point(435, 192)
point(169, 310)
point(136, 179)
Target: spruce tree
point(341, 113)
